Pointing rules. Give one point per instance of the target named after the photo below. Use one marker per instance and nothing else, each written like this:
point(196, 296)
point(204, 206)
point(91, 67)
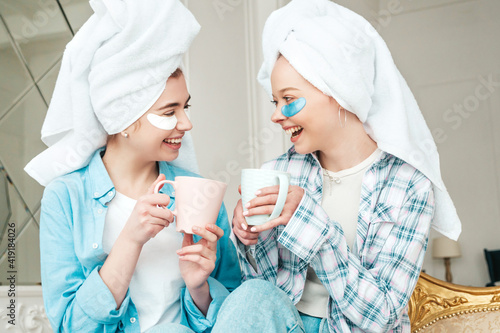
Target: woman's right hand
point(240, 226)
point(147, 218)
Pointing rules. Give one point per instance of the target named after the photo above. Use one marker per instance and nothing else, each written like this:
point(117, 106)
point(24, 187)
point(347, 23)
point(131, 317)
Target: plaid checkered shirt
point(370, 284)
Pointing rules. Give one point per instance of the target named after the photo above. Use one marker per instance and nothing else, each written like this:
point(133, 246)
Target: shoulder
point(63, 188)
point(397, 173)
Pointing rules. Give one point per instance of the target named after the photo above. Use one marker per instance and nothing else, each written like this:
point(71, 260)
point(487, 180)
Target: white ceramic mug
point(253, 180)
point(197, 201)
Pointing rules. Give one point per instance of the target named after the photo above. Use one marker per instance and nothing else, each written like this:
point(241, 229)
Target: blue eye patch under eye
point(293, 108)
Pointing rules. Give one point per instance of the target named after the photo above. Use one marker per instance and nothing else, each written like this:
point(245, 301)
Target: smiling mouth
point(294, 131)
point(173, 141)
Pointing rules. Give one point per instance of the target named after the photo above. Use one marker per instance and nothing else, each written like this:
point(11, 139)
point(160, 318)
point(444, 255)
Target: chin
point(169, 157)
point(303, 150)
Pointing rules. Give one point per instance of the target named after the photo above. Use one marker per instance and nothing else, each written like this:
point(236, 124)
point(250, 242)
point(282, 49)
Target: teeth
point(173, 141)
point(293, 130)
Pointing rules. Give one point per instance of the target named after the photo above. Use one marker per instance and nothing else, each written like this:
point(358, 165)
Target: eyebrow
point(174, 105)
point(285, 89)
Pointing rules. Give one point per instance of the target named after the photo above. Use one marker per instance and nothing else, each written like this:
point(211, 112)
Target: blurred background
point(448, 51)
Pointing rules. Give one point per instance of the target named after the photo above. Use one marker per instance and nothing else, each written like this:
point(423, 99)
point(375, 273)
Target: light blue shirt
point(71, 228)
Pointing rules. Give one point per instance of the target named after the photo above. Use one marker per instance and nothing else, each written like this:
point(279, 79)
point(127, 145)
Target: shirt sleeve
point(74, 301)
point(225, 278)
point(372, 289)
point(259, 261)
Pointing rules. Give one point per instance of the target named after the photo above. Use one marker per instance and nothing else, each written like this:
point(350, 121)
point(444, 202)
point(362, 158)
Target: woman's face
point(316, 123)
point(162, 143)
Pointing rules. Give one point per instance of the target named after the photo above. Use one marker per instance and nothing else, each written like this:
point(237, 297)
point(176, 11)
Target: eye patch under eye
point(163, 123)
point(293, 108)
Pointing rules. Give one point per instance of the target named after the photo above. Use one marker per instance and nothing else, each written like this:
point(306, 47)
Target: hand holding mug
point(197, 260)
point(197, 201)
point(265, 203)
point(147, 219)
point(252, 181)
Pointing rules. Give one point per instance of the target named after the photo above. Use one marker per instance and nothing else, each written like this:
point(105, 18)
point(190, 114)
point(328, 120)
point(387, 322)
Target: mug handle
point(157, 190)
point(280, 203)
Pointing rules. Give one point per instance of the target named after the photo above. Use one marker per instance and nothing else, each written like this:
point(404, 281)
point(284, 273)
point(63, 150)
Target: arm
point(385, 275)
point(224, 278)
point(95, 299)
point(75, 299)
point(250, 245)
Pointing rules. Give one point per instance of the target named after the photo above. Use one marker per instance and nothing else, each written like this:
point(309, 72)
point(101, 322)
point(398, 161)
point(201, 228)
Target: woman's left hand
point(265, 202)
point(197, 260)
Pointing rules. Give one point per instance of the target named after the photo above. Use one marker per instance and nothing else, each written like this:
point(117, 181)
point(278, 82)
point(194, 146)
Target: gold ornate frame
point(434, 299)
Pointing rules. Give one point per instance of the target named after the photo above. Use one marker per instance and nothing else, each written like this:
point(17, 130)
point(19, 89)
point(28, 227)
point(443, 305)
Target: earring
point(345, 117)
point(124, 134)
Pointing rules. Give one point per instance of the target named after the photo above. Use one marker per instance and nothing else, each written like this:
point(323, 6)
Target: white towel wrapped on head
point(112, 72)
point(342, 55)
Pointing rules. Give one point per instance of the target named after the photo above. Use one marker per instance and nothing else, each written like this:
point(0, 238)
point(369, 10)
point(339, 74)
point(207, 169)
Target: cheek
point(163, 123)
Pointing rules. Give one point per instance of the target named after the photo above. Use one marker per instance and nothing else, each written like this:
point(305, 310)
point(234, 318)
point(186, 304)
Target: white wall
point(229, 132)
point(445, 50)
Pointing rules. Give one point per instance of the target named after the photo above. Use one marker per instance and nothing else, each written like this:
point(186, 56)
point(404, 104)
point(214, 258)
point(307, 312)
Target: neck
point(354, 148)
point(130, 174)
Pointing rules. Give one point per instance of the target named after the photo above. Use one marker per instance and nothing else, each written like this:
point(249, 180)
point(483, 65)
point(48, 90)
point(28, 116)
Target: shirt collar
point(383, 158)
point(103, 188)
point(100, 181)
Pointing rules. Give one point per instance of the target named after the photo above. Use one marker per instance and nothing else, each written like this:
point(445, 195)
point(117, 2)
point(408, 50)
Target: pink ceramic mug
point(197, 201)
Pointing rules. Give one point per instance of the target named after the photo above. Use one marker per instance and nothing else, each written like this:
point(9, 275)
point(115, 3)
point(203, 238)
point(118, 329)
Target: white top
point(341, 198)
point(156, 284)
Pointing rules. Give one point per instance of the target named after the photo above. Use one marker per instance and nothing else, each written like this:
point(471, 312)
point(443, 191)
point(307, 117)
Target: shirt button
point(95, 245)
point(99, 211)
point(110, 194)
point(96, 194)
point(132, 320)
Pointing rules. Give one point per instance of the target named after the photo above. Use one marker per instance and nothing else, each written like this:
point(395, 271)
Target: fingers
point(204, 252)
point(162, 213)
point(206, 264)
point(239, 189)
point(187, 240)
point(240, 227)
point(261, 210)
point(147, 206)
point(211, 234)
point(197, 249)
point(269, 199)
point(246, 237)
point(238, 218)
point(156, 221)
point(268, 225)
point(275, 189)
point(157, 199)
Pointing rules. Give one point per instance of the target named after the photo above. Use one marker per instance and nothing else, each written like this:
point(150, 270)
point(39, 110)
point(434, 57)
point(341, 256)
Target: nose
point(277, 116)
point(183, 122)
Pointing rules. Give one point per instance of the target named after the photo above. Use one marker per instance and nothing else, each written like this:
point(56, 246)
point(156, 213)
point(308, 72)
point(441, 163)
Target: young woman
point(365, 181)
point(110, 259)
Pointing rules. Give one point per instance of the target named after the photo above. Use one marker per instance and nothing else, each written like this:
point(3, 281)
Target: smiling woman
point(360, 205)
point(102, 225)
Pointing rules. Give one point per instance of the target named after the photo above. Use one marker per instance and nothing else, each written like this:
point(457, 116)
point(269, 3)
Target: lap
point(258, 306)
